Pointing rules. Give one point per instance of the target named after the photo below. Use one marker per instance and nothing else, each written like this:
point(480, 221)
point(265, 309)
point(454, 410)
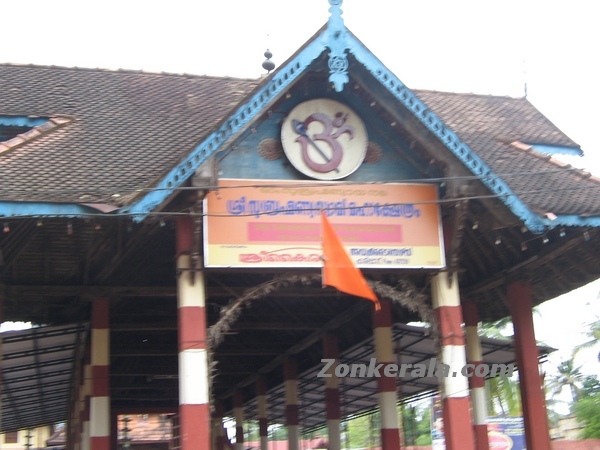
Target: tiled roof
point(130, 128)
point(496, 128)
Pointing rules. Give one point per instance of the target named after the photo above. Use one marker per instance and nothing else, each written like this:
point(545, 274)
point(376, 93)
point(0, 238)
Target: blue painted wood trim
point(244, 115)
point(39, 209)
point(572, 220)
point(556, 149)
point(461, 150)
point(289, 73)
point(22, 121)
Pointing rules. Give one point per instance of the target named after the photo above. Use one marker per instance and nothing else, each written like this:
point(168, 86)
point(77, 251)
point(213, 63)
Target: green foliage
point(587, 408)
point(593, 335)
point(504, 397)
point(568, 376)
point(362, 432)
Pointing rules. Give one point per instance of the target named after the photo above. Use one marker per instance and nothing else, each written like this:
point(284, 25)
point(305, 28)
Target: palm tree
point(569, 376)
point(504, 397)
point(593, 333)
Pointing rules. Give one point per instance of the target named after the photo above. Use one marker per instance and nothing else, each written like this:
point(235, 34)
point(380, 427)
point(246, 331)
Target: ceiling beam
point(13, 291)
point(305, 343)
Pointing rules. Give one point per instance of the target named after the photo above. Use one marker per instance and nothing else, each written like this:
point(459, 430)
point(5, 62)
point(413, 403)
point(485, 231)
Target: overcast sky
point(487, 47)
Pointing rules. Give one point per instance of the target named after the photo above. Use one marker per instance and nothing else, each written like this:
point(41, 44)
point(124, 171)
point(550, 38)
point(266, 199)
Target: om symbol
point(331, 157)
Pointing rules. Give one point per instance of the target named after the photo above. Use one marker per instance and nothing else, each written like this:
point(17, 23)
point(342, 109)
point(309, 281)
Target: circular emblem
point(324, 139)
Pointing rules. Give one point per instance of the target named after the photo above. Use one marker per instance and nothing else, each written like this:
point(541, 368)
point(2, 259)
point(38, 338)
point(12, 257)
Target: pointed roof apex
point(335, 20)
point(336, 41)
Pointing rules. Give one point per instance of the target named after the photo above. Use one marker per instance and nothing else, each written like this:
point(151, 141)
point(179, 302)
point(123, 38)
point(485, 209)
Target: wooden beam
point(12, 291)
point(274, 326)
point(305, 343)
point(528, 264)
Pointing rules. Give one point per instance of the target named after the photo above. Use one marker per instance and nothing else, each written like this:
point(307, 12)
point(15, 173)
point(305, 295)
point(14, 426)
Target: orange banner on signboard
point(256, 223)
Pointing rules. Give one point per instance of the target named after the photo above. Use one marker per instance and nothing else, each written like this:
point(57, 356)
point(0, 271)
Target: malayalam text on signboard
point(255, 223)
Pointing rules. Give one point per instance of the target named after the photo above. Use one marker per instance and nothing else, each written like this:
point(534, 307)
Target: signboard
point(256, 223)
point(506, 433)
point(438, 442)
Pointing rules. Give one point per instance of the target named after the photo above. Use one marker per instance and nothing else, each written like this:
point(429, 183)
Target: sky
point(548, 49)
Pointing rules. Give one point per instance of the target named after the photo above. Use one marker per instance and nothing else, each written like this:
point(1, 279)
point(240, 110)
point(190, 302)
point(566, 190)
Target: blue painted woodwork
point(571, 220)
point(41, 209)
point(22, 121)
point(338, 40)
point(556, 149)
point(243, 160)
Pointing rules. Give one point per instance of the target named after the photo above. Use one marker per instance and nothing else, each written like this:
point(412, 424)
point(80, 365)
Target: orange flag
point(338, 269)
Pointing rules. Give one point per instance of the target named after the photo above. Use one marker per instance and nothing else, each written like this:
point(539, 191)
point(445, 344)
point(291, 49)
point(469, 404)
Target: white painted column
point(476, 382)
point(238, 414)
point(263, 424)
point(291, 403)
point(100, 388)
point(454, 387)
point(386, 385)
point(194, 413)
point(332, 393)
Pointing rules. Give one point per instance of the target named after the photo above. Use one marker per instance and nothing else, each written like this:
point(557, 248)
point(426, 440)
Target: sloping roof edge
point(339, 40)
point(242, 116)
point(446, 136)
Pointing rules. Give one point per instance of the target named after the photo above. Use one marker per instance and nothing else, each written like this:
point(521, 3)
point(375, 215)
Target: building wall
point(38, 439)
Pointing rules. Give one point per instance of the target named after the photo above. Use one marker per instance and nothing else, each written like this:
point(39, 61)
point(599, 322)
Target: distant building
point(567, 429)
point(33, 439)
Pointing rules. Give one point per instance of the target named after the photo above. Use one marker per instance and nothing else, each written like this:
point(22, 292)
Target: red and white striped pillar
point(86, 390)
point(75, 424)
point(194, 413)
point(100, 389)
point(82, 431)
point(263, 424)
point(292, 410)
point(535, 418)
point(218, 429)
point(454, 387)
point(386, 385)
point(476, 382)
point(332, 393)
point(238, 414)
point(1, 356)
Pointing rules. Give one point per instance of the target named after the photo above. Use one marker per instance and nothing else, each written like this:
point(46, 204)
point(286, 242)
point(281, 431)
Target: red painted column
point(194, 414)
point(520, 302)
point(476, 383)
point(332, 393)
point(100, 388)
point(292, 411)
point(218, 427)
point(114, 430)
point(83, 441)
point(263, 424)
point(238, 414)
point(458, 432)
point(386, 385)
point(1, 355)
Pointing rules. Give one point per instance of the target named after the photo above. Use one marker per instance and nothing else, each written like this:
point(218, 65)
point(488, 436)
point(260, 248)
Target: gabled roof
point(129, 129)
point(137, 136)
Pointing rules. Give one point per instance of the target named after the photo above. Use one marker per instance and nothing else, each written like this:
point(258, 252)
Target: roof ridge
point(469, 94)
point(35, 132)
point(127, 71)
point(582, 173)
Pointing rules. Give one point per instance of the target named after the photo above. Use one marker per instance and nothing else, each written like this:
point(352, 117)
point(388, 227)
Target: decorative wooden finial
point(267, 64)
